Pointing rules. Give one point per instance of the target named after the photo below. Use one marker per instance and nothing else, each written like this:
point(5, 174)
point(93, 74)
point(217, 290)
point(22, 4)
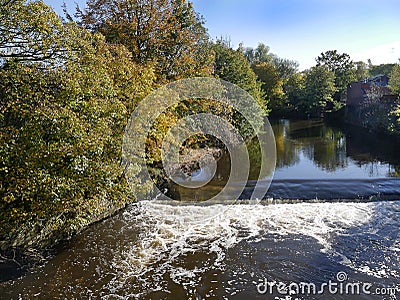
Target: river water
point(328, 228)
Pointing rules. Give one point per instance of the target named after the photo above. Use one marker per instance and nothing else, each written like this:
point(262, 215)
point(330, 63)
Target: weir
point(315, 162)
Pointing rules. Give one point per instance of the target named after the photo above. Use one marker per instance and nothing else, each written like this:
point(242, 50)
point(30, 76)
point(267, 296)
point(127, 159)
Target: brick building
point(357, 92)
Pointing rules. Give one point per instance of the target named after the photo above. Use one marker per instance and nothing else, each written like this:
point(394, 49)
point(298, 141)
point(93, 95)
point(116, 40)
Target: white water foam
point(168, 233)
point(383, 236)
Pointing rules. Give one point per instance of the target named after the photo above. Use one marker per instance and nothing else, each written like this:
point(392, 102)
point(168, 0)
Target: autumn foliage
point(68, 88)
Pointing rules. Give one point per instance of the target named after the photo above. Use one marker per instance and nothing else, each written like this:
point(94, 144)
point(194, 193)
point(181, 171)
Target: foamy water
point(169, 236)
point(161, 251)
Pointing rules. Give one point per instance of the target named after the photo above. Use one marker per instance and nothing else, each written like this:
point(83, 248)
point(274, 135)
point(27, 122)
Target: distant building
point(370, 103)
point(357, 92)
point(381, 80)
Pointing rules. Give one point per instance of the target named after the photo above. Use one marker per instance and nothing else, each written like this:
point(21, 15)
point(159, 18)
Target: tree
point(258, 55)
point(361, 70)
point(334, 61)
point(382, 69)
point(273, 72)
point(167, 32)
point(249, 54)
point(272, 84)
point(231, 65)
point(261, 54)
point(394, 85)
point(343, 68)
point(294, 91)
point(285, 67)
point(319, 90)
point(394, 80)
point(31, 32)
point(61, 133)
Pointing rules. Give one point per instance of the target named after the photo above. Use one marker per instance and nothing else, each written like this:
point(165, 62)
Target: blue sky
point(302, 29)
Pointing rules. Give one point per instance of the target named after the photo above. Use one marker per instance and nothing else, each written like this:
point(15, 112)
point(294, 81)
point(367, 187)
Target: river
point(328, 228)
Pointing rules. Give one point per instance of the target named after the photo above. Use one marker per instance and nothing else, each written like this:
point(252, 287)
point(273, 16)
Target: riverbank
point(377, 118)
point(32, 243)
point(29, 245)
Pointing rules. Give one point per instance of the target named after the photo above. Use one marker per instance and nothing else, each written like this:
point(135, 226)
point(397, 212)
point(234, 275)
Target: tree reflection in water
point(331, 148)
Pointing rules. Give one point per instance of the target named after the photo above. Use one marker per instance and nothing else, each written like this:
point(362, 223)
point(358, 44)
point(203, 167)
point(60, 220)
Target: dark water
point(342, 229)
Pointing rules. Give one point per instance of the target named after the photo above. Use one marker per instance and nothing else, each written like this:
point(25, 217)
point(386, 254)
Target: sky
point(301, 29)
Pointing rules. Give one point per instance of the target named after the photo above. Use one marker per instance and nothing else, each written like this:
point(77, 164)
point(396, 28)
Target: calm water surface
point(344, 220)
